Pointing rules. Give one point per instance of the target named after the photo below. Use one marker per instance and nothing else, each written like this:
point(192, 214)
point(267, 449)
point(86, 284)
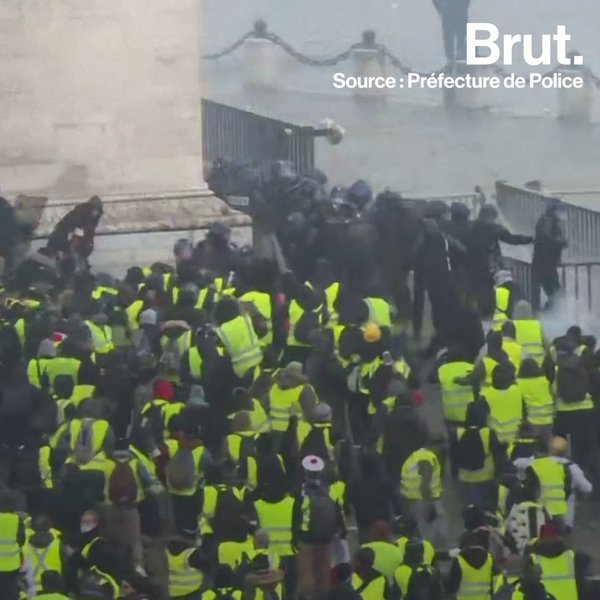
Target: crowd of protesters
point(212, 427)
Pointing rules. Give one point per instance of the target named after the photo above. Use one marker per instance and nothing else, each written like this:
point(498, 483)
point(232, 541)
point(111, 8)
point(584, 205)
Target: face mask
point(87, 527)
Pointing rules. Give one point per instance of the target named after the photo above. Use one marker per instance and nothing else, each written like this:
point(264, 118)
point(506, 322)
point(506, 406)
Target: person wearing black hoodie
point(472, 556)
point(372, 495)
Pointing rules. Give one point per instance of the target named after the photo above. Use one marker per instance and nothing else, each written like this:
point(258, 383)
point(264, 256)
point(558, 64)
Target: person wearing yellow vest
point(455, 397)
point(36, 367)
point(530, 585)
point(12, 546)
point(192, 361)
point(186, 566)
point(388, 556)
point(510, 345)
point(241, 449)
point(369, 583)
point(291, 394)
point(45, 551)
point(558, 563)
point(244, 402)
point(552, 479)
point(529, 332)
point(537, 396)
point(314, 436)
point(421, 489)
point(274, 509)
point(101, 334)
point(569, 367)
point(471, 572)
point(265, 577)
point(238, 338)
point(476, 456)
point(380, 313)
point(505, 402)
point(506, 294)
point(188, 460)
point(62, 365)
point(306, 315)
point(225, 585)
point(260, 306)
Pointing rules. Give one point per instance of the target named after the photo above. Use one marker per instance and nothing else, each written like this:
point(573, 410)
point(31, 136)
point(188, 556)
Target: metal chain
point(342, 56)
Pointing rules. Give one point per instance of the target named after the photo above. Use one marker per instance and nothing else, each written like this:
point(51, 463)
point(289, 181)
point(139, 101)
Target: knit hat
point(163, 389)
point(149, 317)
point(322, 413)
point(372, 333)
point(46, 349)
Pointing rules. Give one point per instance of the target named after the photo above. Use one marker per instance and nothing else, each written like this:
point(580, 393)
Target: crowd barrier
point(521, 208)
point(232, 133)
point(579, 280)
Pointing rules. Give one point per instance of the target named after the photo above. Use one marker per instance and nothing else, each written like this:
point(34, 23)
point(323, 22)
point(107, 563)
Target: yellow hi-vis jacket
point(486, 473)
point(262, 303)
point(183, 579)
point(10, 550)
point(558, 574)
point(475, 584)
point(539, 402)
point(277, 518)
point(455, 398)
point(551, 476)
point(506, 412)
point(531, 338)
point(410, 478)
point(241, 344)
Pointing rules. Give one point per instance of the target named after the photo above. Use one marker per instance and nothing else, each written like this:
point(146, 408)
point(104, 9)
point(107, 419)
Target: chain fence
point(368, 42)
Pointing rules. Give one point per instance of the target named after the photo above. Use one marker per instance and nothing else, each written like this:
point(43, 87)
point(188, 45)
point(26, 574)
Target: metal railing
point(521, 208)
point(232, 133)
point(579, 280)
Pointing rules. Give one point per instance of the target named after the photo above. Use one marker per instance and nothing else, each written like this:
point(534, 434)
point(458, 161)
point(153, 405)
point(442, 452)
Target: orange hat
point(372, 333)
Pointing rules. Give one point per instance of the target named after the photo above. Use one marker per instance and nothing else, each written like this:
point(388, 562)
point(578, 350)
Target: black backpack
point(314, 444)
point(469, 450)
point(424, 585)
point(572, 377)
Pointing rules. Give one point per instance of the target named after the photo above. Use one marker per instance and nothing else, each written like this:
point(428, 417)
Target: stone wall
point(99, 96)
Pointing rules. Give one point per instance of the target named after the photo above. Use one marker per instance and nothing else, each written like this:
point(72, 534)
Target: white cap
point(313, 463)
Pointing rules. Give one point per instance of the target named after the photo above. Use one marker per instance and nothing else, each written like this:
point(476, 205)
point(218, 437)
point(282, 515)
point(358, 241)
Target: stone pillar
point(100, 97)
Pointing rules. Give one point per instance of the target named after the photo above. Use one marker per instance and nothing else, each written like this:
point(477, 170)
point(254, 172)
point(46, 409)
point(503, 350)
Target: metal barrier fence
point(232, 133)
point(474, 201)
point(523, 207)
point(580, 281)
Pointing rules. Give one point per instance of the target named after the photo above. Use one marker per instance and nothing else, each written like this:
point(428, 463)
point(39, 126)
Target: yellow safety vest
point(197, 454)
point(539, 403)
point(368, 370)
point(101, 290)
point(82, 392)
point(195, 363)
point(44, 559)
point(10, 550)
point(551, 477)
point(501, 313)
point(98, 463)
point(44, 466)
point(506, 412)
point(241, 343)
point(455, 398)
point(486, 473)
point(305, 428)
point(217, 593)
point(209, 504)
point(410, 484)
point(183, 579)
point(168, 411)
point(232, 553)
point(133, 312)
point(561, 406)
point(20, 331)
point(379, 312)
point(284, 403)
point(99, 427)
point(558, 574)
point(428, 549)
point(530, 336)
point(101, 337)
point(110, 466)
point(296, 312)
point(62, 365)
point(200, 300)
point(404, 574)
point(388, 557)
point(262, 303)
point(234, 443)
point(276, 518)
point(374, 590)
point(489, 364)
point(331, 296)
point(514, 351)
point(36, 369)
point(475, 584)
